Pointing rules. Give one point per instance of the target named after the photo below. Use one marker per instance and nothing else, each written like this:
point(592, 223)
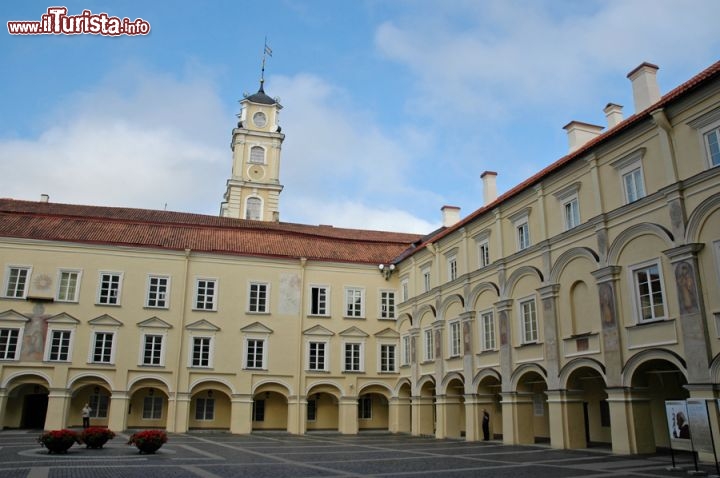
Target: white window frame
point(93, 345)
point(387, 363)
point(427, 278)
point(50, 344)
point(214, 300)
point(204, 412)
point(18, 344)
point(522, 235)
point(387, 304)
point(484, 253)
point(706, 142)
point(112, 298)
point(487, 330)
point(321, 288)
point(252, 160)
point(405, 350)
point(326, 356)
point(159, 296)
point(26, 283)
point(78, 279)
point(163, 348)
point(452, 266)
point(96, 407)
point(637, 301)
point(255, 301)
point(360, 356)
point(350, 311)
point(154, 400)
point(210, 350)
point(705, 125)
point(528, 331)
point(454, 339)
point(404, 289)
point(250, 212)
point(365, 412)
point(246, 362)
point(571, 212)
point(428, 345)
point(629, 164)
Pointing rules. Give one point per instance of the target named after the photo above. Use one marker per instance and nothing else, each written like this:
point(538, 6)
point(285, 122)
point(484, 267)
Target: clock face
point(256, 172)
point(259, 119)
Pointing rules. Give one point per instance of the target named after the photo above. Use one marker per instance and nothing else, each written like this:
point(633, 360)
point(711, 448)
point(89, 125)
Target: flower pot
point(148, 441)
point(96, 437)
point(59, 446)
point(96, 441)
point(149, 447)
point(58, 441)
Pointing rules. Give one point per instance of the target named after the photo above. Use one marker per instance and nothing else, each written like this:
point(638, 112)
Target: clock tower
point(253, 190)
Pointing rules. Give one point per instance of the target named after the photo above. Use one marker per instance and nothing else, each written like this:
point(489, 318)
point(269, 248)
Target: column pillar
point(423, 417)
point(178, 420)
point(3, 405)
point(117, 419)
point(241, 413)
point(348, 410)
point(566, 416)
point(58, 403)
point(399, 409)
point(473, 417)
point(297, 415)
point(441, 417)
point(629, 418)
point(517, 414)
point(548, 296)
point(606, 279)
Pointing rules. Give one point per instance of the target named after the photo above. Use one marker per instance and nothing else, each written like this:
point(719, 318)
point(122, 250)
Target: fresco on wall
point(607, 305)
point(33, 346)
point(686, 288)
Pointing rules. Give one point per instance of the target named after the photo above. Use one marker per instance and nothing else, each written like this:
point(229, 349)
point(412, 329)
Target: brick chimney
point(580, 133)
point(489, 186)
point(450, 215)
point(614, 114)
point(644, 85)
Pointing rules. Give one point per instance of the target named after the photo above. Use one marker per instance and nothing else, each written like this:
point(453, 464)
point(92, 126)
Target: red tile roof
point(179, 231)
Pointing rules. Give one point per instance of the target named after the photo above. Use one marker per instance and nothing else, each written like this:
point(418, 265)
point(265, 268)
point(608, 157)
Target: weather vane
point(266, 52)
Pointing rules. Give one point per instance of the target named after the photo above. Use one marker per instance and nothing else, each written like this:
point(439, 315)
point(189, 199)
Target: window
point(365, 408)
point(405, 289)
point(452, 268)
point(317, 356)
point(528, 318)
point(152, 350)
point(204, 409)
point(571, 213)
point(354, 306)
point(201, 352)
point(255, 353)
point(387, 304)
point(311, 410)
point(9, 339)
point(98, 403)
point(59, 350)
point(16, 282)
point(649, 292)
point(406, 350)
point(157, 293)
point(484, 253)
point(712, 144)
point(387, 358)
point(102, 348)
point(258, 298)
point(253, 209)
point(523, 235)
point(426, 279)
point(318, 300)
point(258, 411)
point(205, 294)
point(487, 323)
point(152, 408)
point(633, 185)
point(353, 357)
point(68, 286)
point(109, 290)
point(429, 344)
point(455, 339)
point(257, 155)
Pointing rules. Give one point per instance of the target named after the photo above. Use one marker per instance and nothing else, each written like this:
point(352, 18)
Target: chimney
point(489, 186)
point(44, 198)
point(644, 85)
point(580, 133)
point(450, 215)
point(614, 114)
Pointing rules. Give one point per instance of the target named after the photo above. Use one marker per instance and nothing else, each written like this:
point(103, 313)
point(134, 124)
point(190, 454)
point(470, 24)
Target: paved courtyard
point(278, 455)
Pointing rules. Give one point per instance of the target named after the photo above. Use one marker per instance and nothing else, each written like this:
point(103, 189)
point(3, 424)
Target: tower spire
point(267, 51)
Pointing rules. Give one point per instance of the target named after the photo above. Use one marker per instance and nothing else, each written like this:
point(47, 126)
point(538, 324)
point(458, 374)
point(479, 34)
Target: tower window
point(253, 209)
point(257, 155)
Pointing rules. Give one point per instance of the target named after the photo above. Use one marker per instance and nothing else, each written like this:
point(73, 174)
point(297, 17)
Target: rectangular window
point(258, 298)
point(17, 282)
point(429, 345)
point(68, 286)
point(426, 280)
point(204, 409)
point(9, 343)
point(258, 411)
point(633, 185)
point(152, 350)
point(387, 304)
point(387, 358)
point(712, 143)
point(353, 360)
point(604, 413)
point(201, 352)
point(59, 346)
point(649, 293)
point(571, 213)
point(318, 300)
point(316, 356)
point(484, 253)
point(152, 408)
point(452, 268)
point(365, 408)
point(255, 353)
point(109, 290)
point(102, 347)
point(157, 293)
point(311, 410)
point(539, 405)
point(455, 339)
point(406, 350)
point(487, 322)
point(523, 236)
point(98, 403)
point(529, 321)
point(205, 294)
point(354, 302)
point(405, 289)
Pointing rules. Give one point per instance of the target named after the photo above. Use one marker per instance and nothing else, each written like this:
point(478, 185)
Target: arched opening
point(404, 408)
point(210, 408)
point(454, 403)
point(148, 407)
point(587, 409)
point(425, 406)
point(27, 403)
point(270, 410)
point(323, 410)
point(373, 411)
point(489, 398)
point(96, 393)
point(532, 413)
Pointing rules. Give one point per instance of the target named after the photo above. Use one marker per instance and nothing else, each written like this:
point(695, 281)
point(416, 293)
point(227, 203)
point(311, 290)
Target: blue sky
point(392, 109)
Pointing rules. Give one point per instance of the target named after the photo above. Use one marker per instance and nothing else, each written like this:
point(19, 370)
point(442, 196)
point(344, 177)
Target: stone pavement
point(278, 455)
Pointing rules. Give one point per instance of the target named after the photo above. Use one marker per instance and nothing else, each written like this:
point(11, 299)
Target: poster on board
point(678, 425)
point(697, 414)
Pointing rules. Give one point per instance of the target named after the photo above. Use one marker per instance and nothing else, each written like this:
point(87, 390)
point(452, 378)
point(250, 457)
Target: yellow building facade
point(570, 307)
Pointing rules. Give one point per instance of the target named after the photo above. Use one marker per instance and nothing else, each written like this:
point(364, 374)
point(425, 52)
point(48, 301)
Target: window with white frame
point(109, 288)
point(99, 403)
point(712, 145)
point(387, 304)
point(68, 286)
point(258, 298)
point(152, 350)
point(455, 338)
point(571, 213)
point(317, 356)
point(452, 268)
point(255, 353)
point(405, 289)
point(354, 302)
point(204, 409)
point(528, 320)
point(708, 127)
point(484, 253)
point(103, 347)
point(59, 346)
point(487, 325)
point(406, 350)
point(9, 340)
point(353, 361)
point(16, 282)
point(257, 155)
point(201, 352)
point(387, 358)
point(523, 235)
point(258, 411)
point(426, 279)
point(428, 345)
point(630, 170)
point(365, 407)
point(319, 297)
point(311, 409)
point(253, 209)
point(649, 295)
point(152, 407)
point(157, 292)
point(205, 294)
